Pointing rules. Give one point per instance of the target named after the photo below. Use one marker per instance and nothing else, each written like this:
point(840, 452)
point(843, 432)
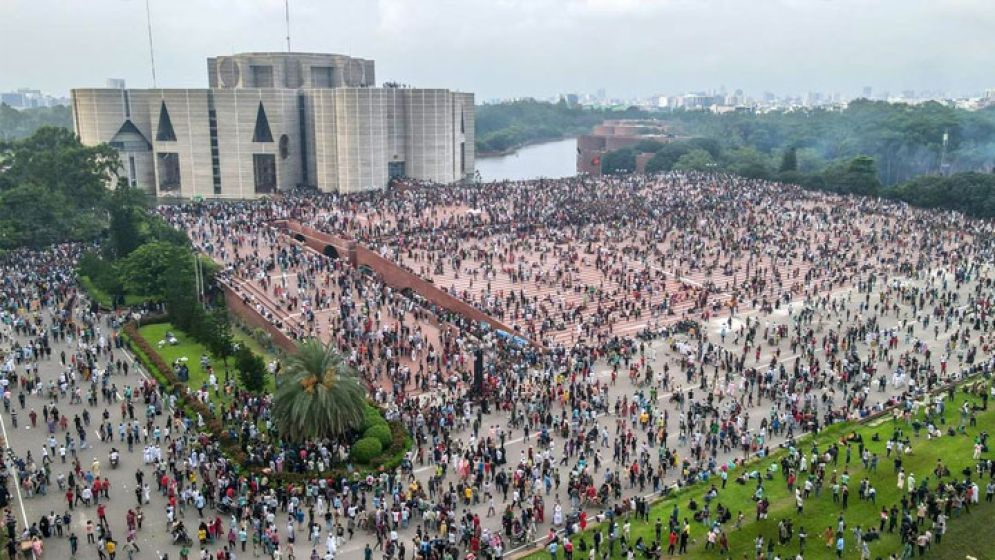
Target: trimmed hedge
point(400, 445)
point(365, 450)
point(381, 432)
point(371, 417)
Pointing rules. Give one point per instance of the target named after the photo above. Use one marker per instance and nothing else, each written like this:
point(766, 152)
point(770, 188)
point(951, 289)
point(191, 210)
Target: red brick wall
point(400, 279)
point(589, 161)
point(252, 317)
point(591, 142)
point(318, 240)
point(392, 274)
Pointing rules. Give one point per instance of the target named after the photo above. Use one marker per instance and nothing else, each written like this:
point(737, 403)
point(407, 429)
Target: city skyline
point(514, 48)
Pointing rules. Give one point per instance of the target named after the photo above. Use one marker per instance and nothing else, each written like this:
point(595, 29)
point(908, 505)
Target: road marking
point(12, 468)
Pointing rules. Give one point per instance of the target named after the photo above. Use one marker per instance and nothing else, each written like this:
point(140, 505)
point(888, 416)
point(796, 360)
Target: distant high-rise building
point(13, 99)
point(868, 91)
point(27, 98)
point(115, 83)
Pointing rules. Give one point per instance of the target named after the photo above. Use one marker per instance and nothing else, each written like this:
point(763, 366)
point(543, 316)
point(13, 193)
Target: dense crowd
point(705, 318)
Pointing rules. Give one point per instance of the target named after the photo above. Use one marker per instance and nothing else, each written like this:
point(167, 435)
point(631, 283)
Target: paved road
point(153, 537)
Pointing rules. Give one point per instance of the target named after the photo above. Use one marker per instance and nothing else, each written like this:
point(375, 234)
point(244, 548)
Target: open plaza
point(675, 365)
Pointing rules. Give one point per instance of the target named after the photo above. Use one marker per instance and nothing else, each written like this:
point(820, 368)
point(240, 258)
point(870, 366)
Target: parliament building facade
point(275, 121)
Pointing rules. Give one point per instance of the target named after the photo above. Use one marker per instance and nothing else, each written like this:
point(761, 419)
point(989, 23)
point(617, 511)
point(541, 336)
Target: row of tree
point(905, 141)
point(21, 123)
point(972, 193)
point(53, 189)
point(507, 126)
point(142, 255)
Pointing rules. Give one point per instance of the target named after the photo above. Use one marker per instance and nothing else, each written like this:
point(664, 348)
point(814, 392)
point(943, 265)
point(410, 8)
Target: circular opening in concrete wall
point(331, 252)
point(228, 72)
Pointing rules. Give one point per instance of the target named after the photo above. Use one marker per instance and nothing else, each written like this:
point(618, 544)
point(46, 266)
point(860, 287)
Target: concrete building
point(275, 121)
point(616, 134)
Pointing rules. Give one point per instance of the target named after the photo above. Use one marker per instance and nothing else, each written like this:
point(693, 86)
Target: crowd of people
point(679, 326)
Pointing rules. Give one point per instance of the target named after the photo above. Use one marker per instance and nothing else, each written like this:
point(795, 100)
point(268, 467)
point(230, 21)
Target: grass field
point(243, 338)
point(821, 512)
point(968, 536)
point(191, 350)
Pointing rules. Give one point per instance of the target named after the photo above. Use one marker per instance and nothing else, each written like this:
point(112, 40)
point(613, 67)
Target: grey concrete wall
point(290, 70)
point(100, 113)
point(237, 110)
point(351, 134)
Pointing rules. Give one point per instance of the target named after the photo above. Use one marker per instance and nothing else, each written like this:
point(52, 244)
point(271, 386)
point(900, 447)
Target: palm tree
point(318, 396)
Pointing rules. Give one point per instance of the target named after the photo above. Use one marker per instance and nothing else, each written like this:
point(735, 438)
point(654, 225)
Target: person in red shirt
point(102, 514)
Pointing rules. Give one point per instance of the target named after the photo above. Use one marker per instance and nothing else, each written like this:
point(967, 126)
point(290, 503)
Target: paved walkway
point(153, 537)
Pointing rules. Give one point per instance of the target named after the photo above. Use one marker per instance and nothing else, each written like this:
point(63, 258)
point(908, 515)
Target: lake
point(549, 159)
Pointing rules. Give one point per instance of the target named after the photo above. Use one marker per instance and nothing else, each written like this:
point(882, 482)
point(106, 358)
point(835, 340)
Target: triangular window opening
point(164, 132)
point(130, 139)
point(262, 132)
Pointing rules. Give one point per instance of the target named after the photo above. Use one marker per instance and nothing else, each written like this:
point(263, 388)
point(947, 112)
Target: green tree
point(53, 189)
point(220, 340)
point(251, 370)
point(695, 160)
point(149, 268)
point(747, 161)
point(32, 216)
point(619, 162)
point(647, 146)
point(318, 396)
point(859, 176)
point(789, 160)
point(16, 124)
point(665, 158)
point(128, 213)
point(180, 296)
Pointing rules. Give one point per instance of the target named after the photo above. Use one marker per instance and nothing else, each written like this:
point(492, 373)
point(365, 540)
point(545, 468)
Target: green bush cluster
point(381, 432)
point(364, 450)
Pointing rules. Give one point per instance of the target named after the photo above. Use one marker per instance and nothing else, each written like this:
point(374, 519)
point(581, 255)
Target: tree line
point(508, 126)
point(928, 155)
point(21, 123)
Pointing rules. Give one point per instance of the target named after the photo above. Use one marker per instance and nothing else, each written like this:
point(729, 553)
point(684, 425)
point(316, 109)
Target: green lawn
point(243, 338)
point(967, 535)
point(187, 348)
point(822, 512)
point(192, 351)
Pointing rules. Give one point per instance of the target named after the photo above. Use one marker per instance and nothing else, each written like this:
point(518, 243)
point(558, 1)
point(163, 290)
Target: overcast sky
point(506, 48)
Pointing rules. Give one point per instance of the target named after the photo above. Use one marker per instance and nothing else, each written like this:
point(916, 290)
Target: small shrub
point(365, 449)
point(371, 417)
point(381, 432)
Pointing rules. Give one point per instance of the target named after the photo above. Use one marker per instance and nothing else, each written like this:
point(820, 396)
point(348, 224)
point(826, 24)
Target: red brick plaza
point(560, 262)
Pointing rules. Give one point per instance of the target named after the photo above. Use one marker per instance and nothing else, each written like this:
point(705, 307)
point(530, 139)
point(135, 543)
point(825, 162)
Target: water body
point(551, 160)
